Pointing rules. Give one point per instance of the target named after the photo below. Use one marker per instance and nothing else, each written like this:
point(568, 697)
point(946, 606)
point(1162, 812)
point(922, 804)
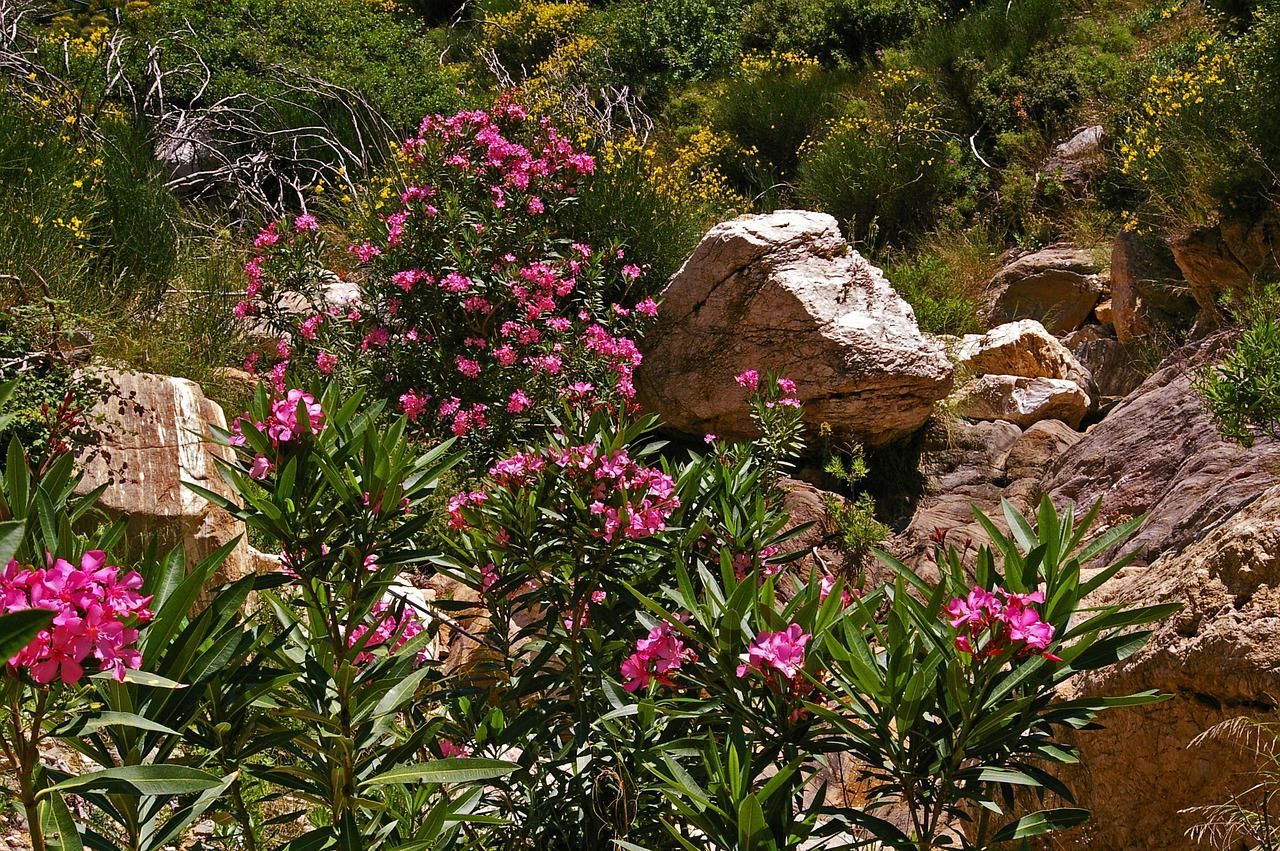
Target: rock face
point(976, 464)
point(1112, 364)
point(1225, 259)
point(1158, 452)
point(1219, 657)
point(1149, 296)
point(784, 292)
point(1022, 348)
point(805, 504)
point(150, 439)
point(1058, 286)
point(1022, 374)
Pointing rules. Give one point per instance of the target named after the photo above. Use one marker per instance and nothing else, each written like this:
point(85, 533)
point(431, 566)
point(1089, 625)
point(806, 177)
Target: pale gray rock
point(784, 292)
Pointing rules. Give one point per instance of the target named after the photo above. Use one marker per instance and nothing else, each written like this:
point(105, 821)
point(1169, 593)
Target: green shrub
point(943, 278)
point(1201, 134)
point(834, 31)
point(1243, 391)
point(979, 60)
point(80, 219)
point(657, 44)
point(658, 210)
point(857, 529)
point(886, 168)
point(769, 106)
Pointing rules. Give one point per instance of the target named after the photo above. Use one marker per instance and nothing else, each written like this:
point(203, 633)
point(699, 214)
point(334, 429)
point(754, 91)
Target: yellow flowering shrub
point(1170, 131)
point(882, 167)
point(530, 33)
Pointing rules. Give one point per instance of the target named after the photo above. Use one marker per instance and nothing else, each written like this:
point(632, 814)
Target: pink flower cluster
point(281, 426)
point(629, 499)
point(97, 610)
point(477, 144)
point(386, 625)
point(778, 651)
point(786, 394)
point(472, 311)
point(656, 658)
point(1005, 618)
point(450, 749)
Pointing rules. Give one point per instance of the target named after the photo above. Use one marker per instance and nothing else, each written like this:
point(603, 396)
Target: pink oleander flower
point(310, 326)
point(488, 577)
point(97, 614)
point(749, 379)
point(989, 622)
point(266, 237)
point(326, 361)
point(461, 501)
point(648, 307)
point(413, 405)
point(375, 339)
point(365, 251)
point(386, 626)
point(283, 425)
point(306, 223)
point(518, 402)
point(631, 271)
point(455, 283)
point(261, 468)
point(782, 651)
point(656, 658)
point(828, 584)
point(449, 749)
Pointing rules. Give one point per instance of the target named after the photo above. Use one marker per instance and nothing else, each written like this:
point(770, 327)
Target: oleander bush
point(475, 314)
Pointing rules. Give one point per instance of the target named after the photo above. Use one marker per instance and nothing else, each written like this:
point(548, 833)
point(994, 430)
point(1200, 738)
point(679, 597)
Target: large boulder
point(1019, 372)
point(1058, 286)
point(1158, 452)
point(150, 436)
point(1021, 400)
point(1018, 348)
point(1225, 260)
point(1149, 296)
point(784, 292)
point(1219, 659)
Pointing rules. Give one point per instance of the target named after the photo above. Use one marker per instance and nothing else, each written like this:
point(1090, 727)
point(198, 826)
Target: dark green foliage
point(941, 303)
point(45, 382)
point(845, 31)
point(1022, 64)
point(770, 111)
point(854, 518)
point(1243, 391)
point(91, 221)
point(662, 43)
point(883, 187)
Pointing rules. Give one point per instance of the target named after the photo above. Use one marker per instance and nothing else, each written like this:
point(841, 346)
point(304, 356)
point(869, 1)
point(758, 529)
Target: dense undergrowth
point(923, 127)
